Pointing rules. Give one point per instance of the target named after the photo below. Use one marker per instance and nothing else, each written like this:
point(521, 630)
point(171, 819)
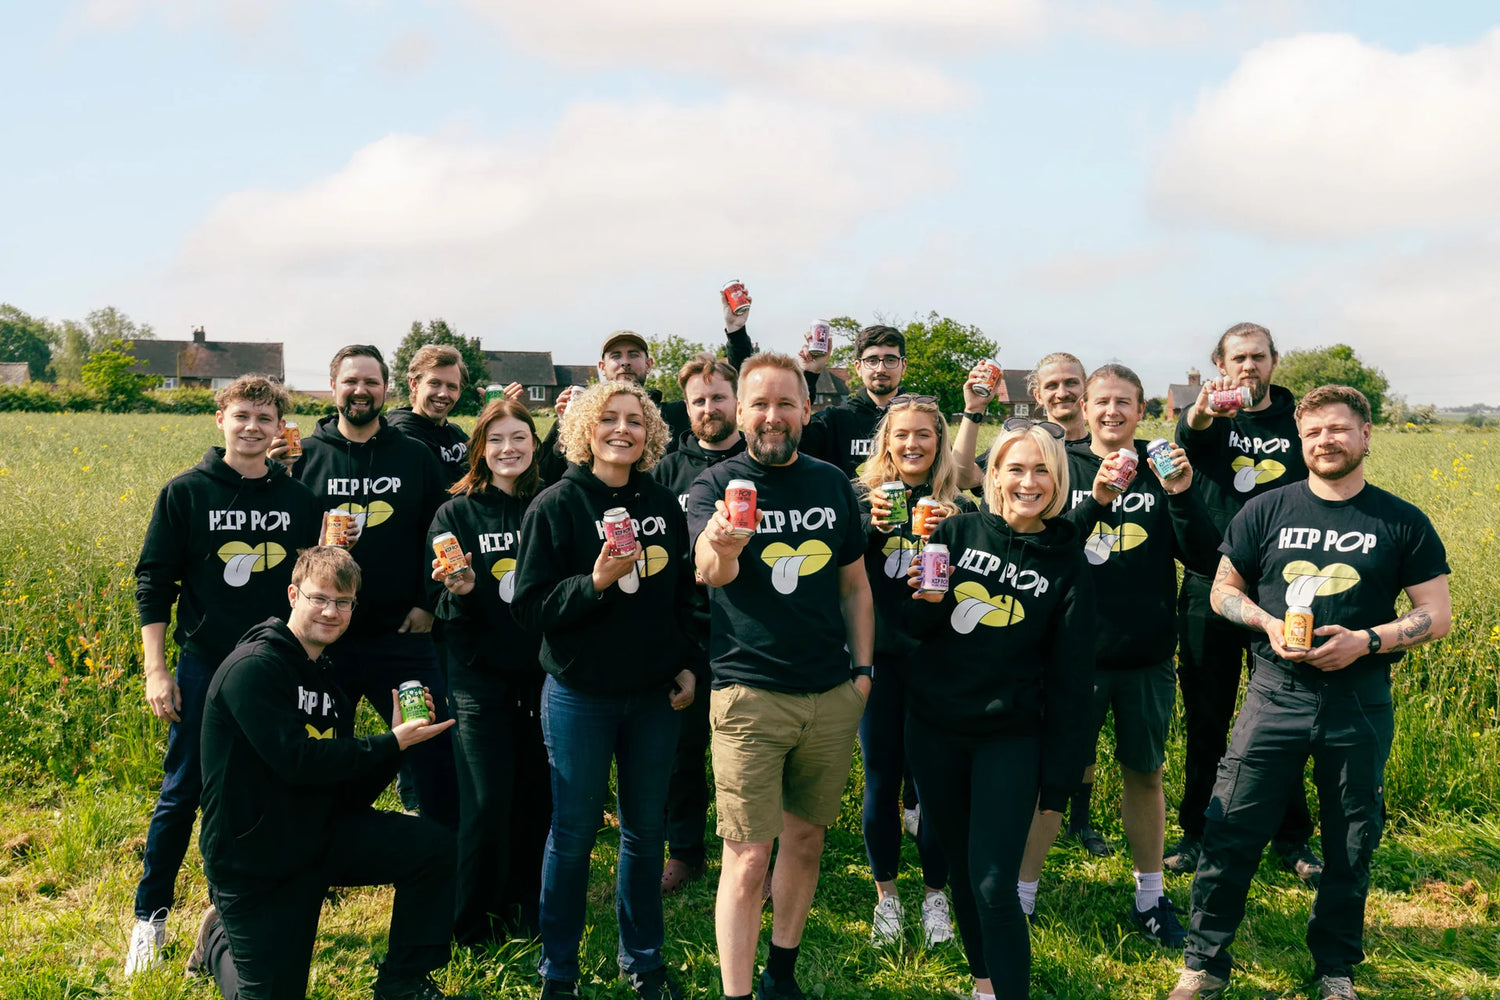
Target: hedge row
point(73, 397)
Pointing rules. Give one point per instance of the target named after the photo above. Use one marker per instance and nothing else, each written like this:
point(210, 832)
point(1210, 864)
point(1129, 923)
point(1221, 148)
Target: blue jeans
point(584, 734)
point(177, 806)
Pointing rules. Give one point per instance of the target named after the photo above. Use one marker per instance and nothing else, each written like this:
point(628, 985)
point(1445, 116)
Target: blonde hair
point(1054, 459)
point(328, 565)
point(769, 359)
point(880, 469)
point(577, 432)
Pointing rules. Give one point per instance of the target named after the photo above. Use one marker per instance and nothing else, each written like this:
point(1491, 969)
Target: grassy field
point(80, 758)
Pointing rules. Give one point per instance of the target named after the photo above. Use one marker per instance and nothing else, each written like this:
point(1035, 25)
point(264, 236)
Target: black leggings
point(979, 794)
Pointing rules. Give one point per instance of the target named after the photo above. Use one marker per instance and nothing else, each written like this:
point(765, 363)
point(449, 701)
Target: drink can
point(1160, 454)
point(620, 532)
point(920, 525)
point(990, 378)
point(735, 294)
point(895, 492)
point(739, 499)
point(413, 698)
point(820, 338)
point(336, 524)
point(1128, 461)
point(450, 554)
point(1231, 399)
point(1297, 628)
point(293, 437)
point(492, 392)
point(934, 569)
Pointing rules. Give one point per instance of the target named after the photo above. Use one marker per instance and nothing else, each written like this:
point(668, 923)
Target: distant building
point(201, 363)
point(1180, 397)
point(533, 369)
point(833, 387)
point(14, 373)
point(573, 375)
point(1013, 395)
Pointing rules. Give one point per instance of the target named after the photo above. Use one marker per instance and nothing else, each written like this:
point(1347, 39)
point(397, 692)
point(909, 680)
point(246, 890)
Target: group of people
point(616, 613)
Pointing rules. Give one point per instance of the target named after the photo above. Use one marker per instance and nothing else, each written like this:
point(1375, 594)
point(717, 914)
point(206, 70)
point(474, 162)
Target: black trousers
point(979, 795)
point(1346, 728)
point(505, 802)
point(689, 793)
point(1211, 654)
point(263, 947)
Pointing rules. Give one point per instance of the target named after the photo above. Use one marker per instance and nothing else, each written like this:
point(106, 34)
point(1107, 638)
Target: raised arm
point(966, 438)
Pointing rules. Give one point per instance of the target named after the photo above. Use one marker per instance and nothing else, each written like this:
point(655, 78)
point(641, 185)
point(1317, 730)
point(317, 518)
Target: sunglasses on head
point(1025, 423)
point(907, 398)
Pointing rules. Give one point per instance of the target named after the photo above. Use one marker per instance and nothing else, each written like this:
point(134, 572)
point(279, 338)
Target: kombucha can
point(991, 379)
point(293, 438)
point(1160, 454)
point(1231, 399)
point(734, 293)
point(739, 500)
point(895, 492)
point(1297, 628)
point(934, 569)
point(413, 698)
point(450, 554)
point(819, 338)
point(920, 514)
point(620, 532)
point(1128, 461)
point(336, 524)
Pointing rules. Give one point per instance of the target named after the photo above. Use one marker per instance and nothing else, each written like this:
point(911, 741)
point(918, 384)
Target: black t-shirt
point(1347, 560)
point(779, 625)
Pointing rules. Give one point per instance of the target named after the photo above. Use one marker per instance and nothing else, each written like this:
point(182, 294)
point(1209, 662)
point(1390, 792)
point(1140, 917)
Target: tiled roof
point(209, 359)
point(525, 367)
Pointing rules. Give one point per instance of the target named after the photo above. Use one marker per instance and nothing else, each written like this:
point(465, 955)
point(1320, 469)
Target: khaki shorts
point(775, 752)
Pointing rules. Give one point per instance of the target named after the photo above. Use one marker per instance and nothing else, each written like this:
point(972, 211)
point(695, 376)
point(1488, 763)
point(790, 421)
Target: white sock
point(1147, 890)
point(1027, 892)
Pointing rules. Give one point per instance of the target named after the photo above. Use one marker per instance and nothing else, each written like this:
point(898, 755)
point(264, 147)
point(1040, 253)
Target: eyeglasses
point(1025, 423)
point(344, 605)
point(890, 362)
point(907, 398)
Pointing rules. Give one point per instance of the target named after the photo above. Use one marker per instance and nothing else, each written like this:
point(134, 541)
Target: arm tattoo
point(1242, 611)
point(1413, 629)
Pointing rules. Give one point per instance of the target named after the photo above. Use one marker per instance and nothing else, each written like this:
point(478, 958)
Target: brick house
point(202, 363)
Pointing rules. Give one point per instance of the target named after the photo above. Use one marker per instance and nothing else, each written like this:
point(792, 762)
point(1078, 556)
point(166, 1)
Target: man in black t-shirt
point(1346, 550)
point(790, 608)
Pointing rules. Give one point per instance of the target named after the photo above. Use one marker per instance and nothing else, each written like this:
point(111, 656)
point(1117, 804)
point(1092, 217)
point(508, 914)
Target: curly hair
point(1053, 458)
point(577, 432)
point(257, 390)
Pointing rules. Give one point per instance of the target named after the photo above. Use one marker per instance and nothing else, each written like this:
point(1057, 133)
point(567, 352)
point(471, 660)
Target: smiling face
point(508, 449)
point(875, 369)
point(773, 408)
point(1113, 407)
point(1249, 361)
point(1059, 391)
point(619, 435)
point(1334, 440)
point(315, 626)
point(912, 444)
point(1023, 484)
point(359, 390)
point(710, 406)
point(248, 428)
point(435, 392)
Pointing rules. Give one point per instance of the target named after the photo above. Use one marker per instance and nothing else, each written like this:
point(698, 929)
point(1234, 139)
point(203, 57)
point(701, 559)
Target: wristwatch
point(1374, 640)
point(862, 672)
point(978, 418)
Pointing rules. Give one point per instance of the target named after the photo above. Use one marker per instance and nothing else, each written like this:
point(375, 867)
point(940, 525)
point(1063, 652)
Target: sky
point(1119, 180)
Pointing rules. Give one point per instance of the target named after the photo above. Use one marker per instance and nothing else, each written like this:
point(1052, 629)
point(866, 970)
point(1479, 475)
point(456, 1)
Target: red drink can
point(450, 554)
point(989, 380)
point(336, 524)
point(1128, 460)
point(920, 525)
point(620, 532)
point(292, 434)
point(739, 500)
point(734, 293)
point(819, 338)
point(1231, 399)
point(934, 570)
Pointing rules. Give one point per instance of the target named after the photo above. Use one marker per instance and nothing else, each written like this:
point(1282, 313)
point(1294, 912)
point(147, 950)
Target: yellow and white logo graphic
point(504, 571)
point(241, 559)
point(898, 556)
point(649, 561)
point(1107, 538)
point(1249, 473)
point(1305, 580)
point(368, 516)
point(317, 734)
point(788, 565)
point(976, 607)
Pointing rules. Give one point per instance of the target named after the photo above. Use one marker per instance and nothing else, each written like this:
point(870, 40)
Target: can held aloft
point(921, 517)
point(336, 525)
point(450, 554)
point(292, 434)
point(819, 338)
point(1124, 471)
point(735, 294)
point(989, 379)
point(1297, 628)
point(619, 531)
point(1231, 399)
point(739, 501)
point(492, 392)
point(934, 579)
point(1160, 454)
point(413, 698)
point(895, 492)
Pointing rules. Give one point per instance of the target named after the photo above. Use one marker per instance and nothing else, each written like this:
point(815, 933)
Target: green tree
point(670, 354)
point(71, 351)
point(25, 338)
point(1302, 371)
point(437, 331)
point(107, 325)
point(110, 375)
point(939, 353)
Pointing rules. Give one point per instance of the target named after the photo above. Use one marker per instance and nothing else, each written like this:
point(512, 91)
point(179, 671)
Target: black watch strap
point(978, 418)
point(1375, 642)
point(861, 672)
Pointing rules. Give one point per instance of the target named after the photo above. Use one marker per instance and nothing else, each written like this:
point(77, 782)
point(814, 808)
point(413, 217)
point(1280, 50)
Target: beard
point(1259, 390)
point(774, 452)
point(712, 428)
point(359, 419)
point(1335, 465)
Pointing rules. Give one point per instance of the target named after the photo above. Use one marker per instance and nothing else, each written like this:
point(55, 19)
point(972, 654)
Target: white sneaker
point(146, 941)
point(937, 922)
point(885, 926)
point(911, 819)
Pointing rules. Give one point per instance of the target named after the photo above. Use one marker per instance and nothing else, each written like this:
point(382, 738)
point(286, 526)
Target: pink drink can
point(990, 379)
point(734, 293)
point(1231, 399)
point(620, 533)
point(820, 338)
point(1128, 460)
point(739, 498)
point(934, 569)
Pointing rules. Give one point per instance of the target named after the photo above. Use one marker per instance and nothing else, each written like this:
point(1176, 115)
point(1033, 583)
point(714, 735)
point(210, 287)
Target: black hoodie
point(480, 630)
point(280, 761)
point(843, 435)
point(1130, 546)
point(226, 545)
point(626, 639)
point(1009, 649)
point(447, 441)
point(397, 484)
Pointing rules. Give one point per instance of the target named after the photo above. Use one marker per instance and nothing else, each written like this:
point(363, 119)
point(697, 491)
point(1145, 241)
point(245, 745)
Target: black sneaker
point(654, 985)
point(1160, 924)
point(1300, 860)
point(770, 989)
point(1092, 841)
point(557, 989)
point(421, 988)
point(1182, 857)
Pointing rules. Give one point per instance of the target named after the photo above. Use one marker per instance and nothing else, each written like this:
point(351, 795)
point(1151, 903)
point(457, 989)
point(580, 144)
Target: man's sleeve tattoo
point(1242, 611)
point(1413, 629)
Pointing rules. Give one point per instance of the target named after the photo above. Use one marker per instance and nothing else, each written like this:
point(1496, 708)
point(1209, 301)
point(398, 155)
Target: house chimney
point(1194, 378)
point(198, 335)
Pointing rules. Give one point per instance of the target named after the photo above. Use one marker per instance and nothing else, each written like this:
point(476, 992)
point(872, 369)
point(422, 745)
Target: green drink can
point(896, 493)
point(492, 393)
point(413, 699)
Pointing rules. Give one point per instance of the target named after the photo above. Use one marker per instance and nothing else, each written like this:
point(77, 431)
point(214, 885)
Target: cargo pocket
point(1225, 785)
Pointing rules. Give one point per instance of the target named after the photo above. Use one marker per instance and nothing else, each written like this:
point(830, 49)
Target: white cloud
point(1325, 136)
point(409, 52)
point(1083, 270)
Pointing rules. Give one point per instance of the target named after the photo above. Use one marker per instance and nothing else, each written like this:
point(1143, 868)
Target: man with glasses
point(843, 434)
point(287, 793)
